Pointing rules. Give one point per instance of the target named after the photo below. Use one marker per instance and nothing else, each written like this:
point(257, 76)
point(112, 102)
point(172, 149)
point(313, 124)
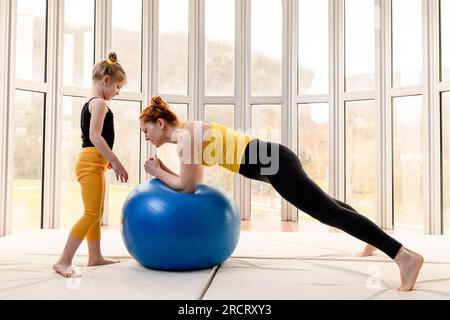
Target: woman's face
point(154, 132)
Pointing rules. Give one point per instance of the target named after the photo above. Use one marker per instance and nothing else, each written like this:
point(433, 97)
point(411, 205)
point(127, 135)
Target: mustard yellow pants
point(90, 171)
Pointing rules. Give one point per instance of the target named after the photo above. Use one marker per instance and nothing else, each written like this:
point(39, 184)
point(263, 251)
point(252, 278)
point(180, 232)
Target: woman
point(204, 144)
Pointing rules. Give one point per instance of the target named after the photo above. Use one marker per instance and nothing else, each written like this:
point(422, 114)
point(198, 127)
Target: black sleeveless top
point(107, 131)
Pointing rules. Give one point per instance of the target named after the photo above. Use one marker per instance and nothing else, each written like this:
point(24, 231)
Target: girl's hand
point(109, 166)
point(119, 170)
point(152, 165)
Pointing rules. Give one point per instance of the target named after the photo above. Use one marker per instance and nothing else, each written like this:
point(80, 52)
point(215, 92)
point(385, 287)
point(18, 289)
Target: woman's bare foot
point(367, 252)
point(410, 264)
point(101, 262)
point(65, 269)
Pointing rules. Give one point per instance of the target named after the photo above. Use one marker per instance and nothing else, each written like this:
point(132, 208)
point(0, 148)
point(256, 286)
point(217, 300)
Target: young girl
point(97, 126)
point(204, 143)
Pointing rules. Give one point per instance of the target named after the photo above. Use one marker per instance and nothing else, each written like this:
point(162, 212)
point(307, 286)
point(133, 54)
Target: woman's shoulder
point(192, 125)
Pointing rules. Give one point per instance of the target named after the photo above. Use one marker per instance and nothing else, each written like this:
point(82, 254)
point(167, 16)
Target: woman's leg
point(294, 185)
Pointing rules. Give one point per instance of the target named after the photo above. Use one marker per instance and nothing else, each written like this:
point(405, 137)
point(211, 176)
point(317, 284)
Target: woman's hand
point(152, 165)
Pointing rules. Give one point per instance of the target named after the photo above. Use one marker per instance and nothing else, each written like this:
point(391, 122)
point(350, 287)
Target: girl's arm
point(98, 113)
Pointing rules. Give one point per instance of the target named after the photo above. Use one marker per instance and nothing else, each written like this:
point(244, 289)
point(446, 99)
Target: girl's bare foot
point(65, 269)
point(368, 251)
point(101, 262)
point(410, 264)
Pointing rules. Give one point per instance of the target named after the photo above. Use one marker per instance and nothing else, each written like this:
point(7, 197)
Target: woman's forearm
point(163, 166)
point(171, 180)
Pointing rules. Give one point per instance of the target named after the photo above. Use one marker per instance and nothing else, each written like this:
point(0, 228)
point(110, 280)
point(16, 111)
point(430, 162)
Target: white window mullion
point(147, 72)
point(286, 207)
point(433, 221)
point(51, 178)
point(246, 112)
point(240, 192)
point(193, 61)
point(334, 95)
point(8, 139)
point(380, 97)
point(201, 67)
point(339, 138)
point(5, 82)
point(387, 143)
point(292, 105)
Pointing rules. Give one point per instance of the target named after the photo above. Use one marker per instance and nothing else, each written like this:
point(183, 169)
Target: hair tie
point(108, 61)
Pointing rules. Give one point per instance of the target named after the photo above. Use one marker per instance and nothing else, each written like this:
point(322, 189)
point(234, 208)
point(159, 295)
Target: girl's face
point(154, 132)
point(112, 88)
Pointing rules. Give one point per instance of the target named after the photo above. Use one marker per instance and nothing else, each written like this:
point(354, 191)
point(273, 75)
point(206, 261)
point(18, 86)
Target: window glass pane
point(216, 175)
point(359, 45)
point(445, 40)
point(220, 48)
point(313, 129)
point(313, 47)
point(408, 163)
point(266, 125)
point(360, 157)
point(31, 40)
point(127, 148)
point(28, 137)
point(407, 43)
point(168, 152)
point(78, 42)
point(71, 201)
point(446, 159)
point(127, 39)
point(173, 47)
point(266, 46)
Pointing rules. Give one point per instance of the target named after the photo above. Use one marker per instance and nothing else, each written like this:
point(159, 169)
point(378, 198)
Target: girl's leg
point(90, 181)
point(93, 239)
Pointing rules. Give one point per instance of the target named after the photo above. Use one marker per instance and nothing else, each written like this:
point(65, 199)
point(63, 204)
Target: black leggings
point(294, 185)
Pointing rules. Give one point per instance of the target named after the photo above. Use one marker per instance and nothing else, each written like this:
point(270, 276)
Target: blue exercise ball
point(168, 230)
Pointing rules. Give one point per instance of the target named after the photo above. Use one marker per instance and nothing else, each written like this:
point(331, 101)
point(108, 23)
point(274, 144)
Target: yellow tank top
point(224, 146)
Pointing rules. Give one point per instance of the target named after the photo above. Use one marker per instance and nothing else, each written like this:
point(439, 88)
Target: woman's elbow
point(188, 189)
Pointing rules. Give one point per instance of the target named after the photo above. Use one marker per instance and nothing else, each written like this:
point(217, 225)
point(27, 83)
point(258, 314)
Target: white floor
point(291, 266)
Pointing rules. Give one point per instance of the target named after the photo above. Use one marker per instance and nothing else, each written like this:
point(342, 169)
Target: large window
point(407, 43)
point(359, 45)
point(266, 44)
point(28, 160)
point(266, 123)
point(445, 40)
point(31, 40)
point(78, 42)
point(127, 148)
point(446, 159)
point(126, 39)
point(408, 163)
point(313, 141)
point(219, 48)
point(218, 176)
point(173, 67)
point(360, 156)
point(313, 47)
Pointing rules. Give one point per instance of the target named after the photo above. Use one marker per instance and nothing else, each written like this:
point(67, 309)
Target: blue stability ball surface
point(168, 230)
